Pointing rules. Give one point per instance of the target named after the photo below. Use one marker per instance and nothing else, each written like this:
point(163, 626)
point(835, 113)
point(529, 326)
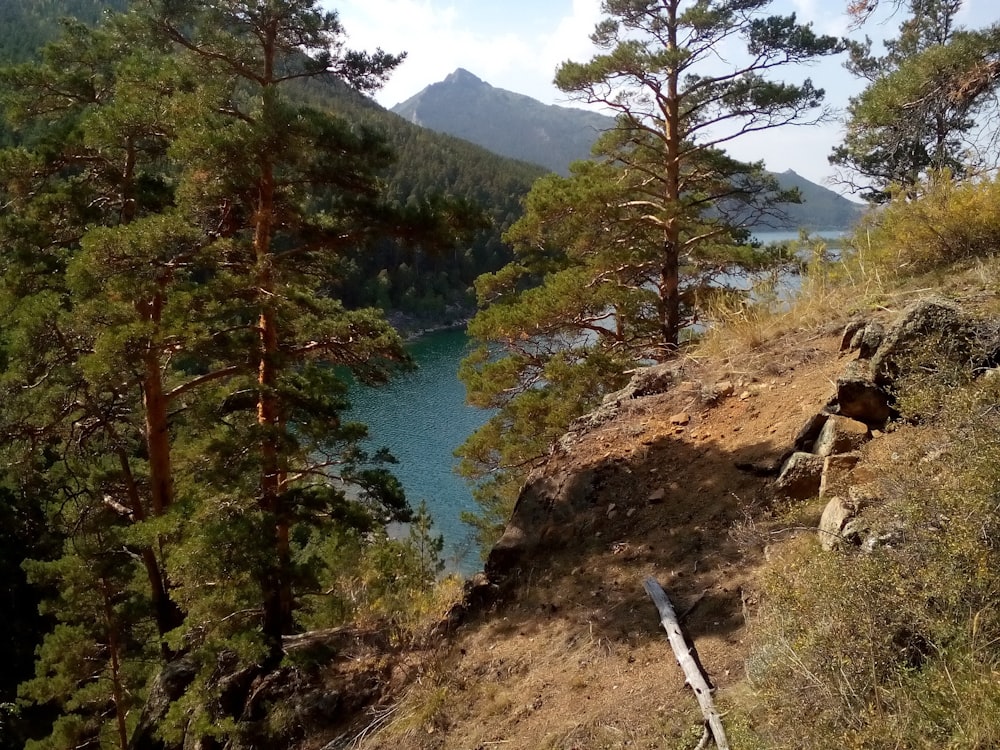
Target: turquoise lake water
point(422, 417)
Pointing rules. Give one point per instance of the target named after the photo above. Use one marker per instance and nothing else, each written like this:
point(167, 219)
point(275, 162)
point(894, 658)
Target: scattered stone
point(890, 538)
point(864, 495)
point(833, 531)
point(935, 455)
point(724, 389)
point(800, 476)
point(850, 331)
point(745, 395)
point(841, 435)
point(680, 419)
point(657, 496)
point(860, 399)
point(868, 339)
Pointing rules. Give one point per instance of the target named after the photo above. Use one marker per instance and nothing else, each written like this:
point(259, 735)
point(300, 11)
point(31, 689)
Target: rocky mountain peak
point(462, 77)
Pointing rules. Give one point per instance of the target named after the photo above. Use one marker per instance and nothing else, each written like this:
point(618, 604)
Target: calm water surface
point(422, 417)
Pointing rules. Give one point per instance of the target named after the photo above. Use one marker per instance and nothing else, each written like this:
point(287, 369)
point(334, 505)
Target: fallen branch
point(692, 672)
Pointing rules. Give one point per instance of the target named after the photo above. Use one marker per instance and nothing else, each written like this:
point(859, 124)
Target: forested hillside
point(25, 26)
point(426, 165)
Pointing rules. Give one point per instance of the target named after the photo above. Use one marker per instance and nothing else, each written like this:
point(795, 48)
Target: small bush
point(952, 221)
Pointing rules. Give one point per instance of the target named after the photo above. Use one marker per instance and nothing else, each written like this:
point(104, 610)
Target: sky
point(518, 44)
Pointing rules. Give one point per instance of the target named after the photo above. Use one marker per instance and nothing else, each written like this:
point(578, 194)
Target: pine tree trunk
point(168, 614)
point(117, 691)
point(669, 285)
point(277, 583)
point(157, 428)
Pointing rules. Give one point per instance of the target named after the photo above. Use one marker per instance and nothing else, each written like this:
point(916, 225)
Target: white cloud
point(438, 40)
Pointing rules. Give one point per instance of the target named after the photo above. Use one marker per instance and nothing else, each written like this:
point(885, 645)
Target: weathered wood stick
point(692, 672)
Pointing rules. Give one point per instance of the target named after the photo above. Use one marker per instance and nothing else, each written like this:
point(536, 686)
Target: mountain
point(26, 25)
point(821, 208)
point(506, 123)
point(520, 127)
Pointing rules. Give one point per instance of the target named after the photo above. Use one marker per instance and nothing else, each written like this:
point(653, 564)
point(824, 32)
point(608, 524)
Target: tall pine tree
point(623, 256)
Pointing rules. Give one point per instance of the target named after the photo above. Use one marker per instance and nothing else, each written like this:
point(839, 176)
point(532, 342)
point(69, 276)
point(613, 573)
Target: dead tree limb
point(692, 672)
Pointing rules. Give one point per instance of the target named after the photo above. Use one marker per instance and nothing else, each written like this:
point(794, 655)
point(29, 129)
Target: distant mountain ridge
point(507, 123)
point(519, 127)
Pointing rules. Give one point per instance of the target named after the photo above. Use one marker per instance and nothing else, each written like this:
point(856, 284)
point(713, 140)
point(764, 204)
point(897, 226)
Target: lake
point(422, 417)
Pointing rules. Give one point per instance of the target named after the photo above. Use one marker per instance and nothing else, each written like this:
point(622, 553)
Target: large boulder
point(548, 511)
point(928, 333)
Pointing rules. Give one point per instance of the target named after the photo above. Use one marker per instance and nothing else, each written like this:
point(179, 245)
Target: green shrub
point(950, 222)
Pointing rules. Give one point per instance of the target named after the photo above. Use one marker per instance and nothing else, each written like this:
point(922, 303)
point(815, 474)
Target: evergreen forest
point(207, 226)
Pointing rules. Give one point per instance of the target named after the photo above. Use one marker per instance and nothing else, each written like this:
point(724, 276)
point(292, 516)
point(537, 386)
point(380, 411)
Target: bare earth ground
point(577, 658)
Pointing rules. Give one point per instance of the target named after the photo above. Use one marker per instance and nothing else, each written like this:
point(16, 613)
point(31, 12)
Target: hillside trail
point(575, 658)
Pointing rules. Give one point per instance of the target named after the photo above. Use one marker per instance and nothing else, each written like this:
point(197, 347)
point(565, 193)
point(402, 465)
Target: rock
point(800, 476)
point(836, 515)
point(479, 593)
point(169, 685)
point(892, 537)
point(850, 332)
point(863, 400)
point(806, 437)
point(723, 389)
point(657, 496)
point(953, 337)
point(841, 435)
point(868, 339)
point(680, 419)
point(548, 510)
point(647, 381)
point(836, 473)
point(764, 468)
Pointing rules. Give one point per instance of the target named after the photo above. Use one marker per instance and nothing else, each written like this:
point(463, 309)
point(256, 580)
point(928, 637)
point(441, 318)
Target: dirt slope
point(575, 657)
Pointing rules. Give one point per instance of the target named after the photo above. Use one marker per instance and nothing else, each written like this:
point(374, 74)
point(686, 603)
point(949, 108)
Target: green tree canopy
point(925, 104)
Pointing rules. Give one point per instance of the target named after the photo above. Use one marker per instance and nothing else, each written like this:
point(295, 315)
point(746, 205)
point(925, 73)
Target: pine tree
point(925, 99)
point(614, 262)
point(254, 161)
